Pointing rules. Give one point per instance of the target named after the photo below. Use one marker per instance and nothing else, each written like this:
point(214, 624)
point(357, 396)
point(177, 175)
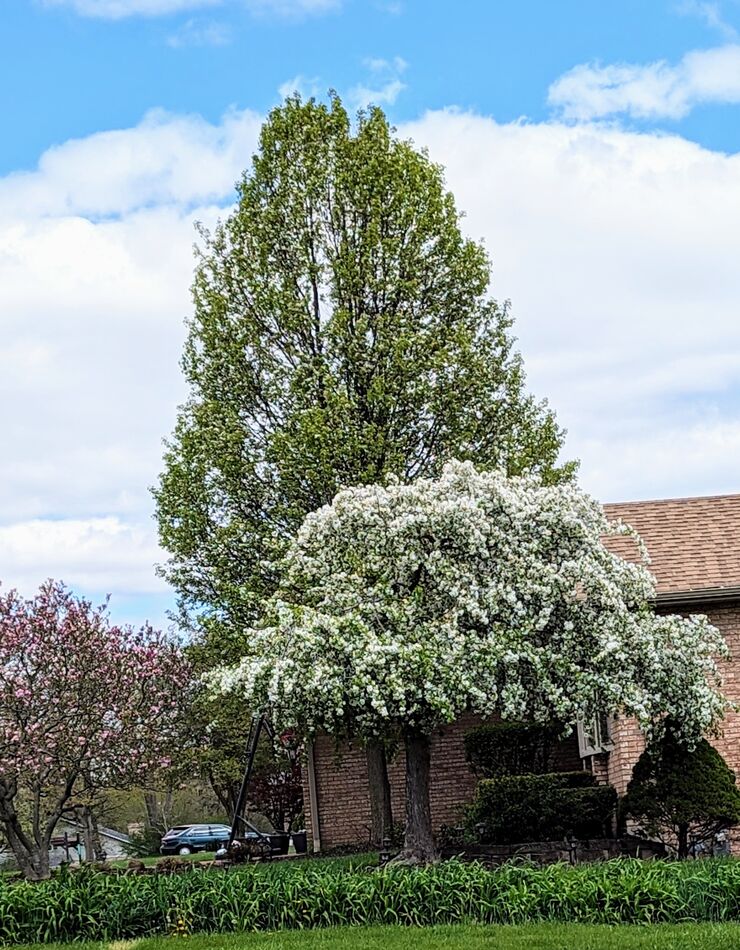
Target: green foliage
point(342, 333)
point(94, 906)
point(214, 749)
point(540, 807)
point(144, 844)
point(510, 748)
point(682, 795)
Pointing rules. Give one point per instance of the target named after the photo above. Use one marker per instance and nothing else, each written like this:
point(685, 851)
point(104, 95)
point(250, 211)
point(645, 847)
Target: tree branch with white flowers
point(403, 606)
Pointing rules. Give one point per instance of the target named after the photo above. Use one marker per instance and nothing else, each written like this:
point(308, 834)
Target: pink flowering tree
point(84, 707)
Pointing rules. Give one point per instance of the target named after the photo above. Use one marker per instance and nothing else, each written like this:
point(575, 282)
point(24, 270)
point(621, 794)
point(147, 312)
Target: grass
point(471, 937)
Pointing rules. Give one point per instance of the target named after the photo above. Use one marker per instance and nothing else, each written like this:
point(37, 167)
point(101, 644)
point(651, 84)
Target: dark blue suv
point(187, 839)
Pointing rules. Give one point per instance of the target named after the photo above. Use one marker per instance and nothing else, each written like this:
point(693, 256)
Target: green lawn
point(530, 937)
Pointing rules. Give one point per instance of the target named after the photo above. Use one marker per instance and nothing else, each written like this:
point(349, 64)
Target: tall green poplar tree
point(342, 332)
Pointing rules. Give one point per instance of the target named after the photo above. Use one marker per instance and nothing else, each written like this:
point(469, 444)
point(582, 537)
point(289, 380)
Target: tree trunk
point(98, 849)
point(226, 794)
point(87, 838)
point(157, 810)
point(32, 858)
point(93, 845)
point(683, 842)
point(152, 808)
point(381, 816)
point(418, 845)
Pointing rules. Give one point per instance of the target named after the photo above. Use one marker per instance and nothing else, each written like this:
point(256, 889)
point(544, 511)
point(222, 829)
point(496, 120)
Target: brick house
point(694, 545)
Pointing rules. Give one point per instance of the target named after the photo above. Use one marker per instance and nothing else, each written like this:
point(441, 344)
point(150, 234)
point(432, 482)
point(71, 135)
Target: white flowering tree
point(403, 606)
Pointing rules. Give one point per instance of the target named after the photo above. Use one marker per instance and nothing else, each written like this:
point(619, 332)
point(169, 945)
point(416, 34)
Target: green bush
point(681, 795)
point(540, 807)
point(511, 748)
point(144, 844)
point(105, 907)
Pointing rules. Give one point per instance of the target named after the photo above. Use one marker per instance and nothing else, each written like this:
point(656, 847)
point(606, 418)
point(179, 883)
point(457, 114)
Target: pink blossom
point(98, 703)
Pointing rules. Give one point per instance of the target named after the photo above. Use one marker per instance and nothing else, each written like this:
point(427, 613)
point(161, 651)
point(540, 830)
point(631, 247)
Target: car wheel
point(184, 850)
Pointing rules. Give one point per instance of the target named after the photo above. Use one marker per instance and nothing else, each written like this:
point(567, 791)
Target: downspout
point(313, 796)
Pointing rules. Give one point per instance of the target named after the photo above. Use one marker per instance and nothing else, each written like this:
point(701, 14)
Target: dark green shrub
point(681, 795)
point(144, 844)
point(511, 748)
point(540, 807)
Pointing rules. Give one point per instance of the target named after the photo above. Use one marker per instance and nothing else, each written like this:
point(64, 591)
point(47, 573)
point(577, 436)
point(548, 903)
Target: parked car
point(187, 839)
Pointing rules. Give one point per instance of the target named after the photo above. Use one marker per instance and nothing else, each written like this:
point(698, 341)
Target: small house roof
point(102, 831)
point(693, 543)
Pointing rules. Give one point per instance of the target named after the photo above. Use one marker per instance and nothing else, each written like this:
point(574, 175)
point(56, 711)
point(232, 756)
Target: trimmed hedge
point(511, 748)
point(94, 906)
point(540, 807)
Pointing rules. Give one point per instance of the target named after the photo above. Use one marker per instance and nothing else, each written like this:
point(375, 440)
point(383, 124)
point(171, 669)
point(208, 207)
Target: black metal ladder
point(259, 722)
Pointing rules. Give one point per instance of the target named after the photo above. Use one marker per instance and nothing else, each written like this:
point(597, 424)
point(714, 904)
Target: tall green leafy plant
point(342, 332)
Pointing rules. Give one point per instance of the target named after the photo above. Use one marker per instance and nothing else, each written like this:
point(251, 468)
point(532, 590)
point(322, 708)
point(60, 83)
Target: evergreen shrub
point(516, 808)
point(683, 796)
point(511, 748)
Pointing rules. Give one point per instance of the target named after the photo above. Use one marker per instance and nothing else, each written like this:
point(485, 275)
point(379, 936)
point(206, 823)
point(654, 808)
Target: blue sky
point(594, 147)
point(67, 75)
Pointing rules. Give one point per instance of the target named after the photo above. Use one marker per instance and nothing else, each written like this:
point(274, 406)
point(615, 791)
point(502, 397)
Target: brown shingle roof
point(693, 543)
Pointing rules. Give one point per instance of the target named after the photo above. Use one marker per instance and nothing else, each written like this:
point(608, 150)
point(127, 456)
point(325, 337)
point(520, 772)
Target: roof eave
point(702, 596)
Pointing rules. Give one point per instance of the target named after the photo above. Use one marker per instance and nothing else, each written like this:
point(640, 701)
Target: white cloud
point(118, 9)
point(292, 9)
point(383, 89)
point(165, 159)
point(663, 460)
point(391, 7)
point(377, 65)
point(710, 13)
point(654, 90)
point(195, 32)
point(95, 268)
point(386, 84)
point(386, 94)
point(95, 554)
point(307, 87)
point(619, 251)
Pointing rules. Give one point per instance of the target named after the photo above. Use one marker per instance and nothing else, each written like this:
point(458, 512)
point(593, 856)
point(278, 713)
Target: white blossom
point(407, 605)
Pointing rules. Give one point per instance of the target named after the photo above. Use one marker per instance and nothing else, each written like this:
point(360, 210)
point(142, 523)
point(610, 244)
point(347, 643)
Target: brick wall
point(342, 786)
point(628, 740)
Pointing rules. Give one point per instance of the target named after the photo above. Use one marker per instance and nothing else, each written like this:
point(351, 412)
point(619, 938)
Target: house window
point(594, 736)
